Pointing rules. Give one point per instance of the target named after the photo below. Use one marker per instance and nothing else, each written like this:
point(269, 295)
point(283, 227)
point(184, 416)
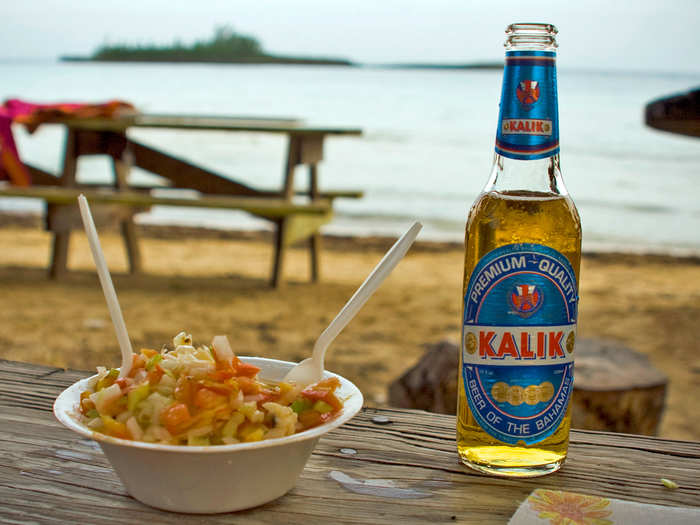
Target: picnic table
point(293, 220)
point(384, 466)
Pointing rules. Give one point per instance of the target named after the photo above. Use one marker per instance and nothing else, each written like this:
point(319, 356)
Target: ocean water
point(425, 153)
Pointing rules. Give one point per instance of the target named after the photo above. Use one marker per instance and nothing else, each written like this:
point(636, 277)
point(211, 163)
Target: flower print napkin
point(555, 507)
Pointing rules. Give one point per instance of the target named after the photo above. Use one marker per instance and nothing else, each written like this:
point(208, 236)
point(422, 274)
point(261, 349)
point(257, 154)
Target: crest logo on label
point(528, 92)
point(526, 299)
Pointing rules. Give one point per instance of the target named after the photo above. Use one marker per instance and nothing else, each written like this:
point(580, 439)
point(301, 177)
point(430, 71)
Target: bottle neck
point(540, 176)
point(527, 137)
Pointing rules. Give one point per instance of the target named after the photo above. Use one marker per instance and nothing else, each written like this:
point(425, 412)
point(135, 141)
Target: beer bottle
point(521, 269)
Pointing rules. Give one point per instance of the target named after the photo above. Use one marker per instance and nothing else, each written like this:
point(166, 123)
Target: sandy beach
point(210, 283)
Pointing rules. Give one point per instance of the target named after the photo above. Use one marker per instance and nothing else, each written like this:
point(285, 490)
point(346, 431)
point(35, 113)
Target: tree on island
point(225, 46)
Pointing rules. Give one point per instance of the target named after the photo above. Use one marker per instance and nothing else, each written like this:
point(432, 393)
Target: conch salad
point(201, 396)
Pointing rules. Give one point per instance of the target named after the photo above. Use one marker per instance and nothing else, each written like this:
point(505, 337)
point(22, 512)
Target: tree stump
point(431, 384)
point(615, 388)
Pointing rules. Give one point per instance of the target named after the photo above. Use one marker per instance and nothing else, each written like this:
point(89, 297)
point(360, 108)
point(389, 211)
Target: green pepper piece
point(299, 405)
point(138, 394)
point(152, 361)
point(322, 407)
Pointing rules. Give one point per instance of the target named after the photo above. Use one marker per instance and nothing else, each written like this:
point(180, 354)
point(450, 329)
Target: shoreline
point(339, 242)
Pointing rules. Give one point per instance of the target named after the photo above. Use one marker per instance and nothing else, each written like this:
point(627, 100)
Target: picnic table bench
point(293, 220)
point(384, 466)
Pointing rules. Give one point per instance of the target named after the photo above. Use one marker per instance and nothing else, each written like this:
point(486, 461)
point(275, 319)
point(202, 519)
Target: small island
point(226, 46)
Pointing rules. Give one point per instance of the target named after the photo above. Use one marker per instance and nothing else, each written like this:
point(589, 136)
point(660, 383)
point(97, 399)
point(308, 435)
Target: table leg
point(315, 239)
point(121, 167)
point(281, 227)
point(61, 238)
point(293, 159)
point(59, 254)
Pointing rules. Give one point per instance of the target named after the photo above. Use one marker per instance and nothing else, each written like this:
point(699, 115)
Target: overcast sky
point(658, 35)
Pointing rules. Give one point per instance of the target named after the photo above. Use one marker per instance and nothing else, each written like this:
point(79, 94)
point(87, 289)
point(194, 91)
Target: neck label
point(528, 123)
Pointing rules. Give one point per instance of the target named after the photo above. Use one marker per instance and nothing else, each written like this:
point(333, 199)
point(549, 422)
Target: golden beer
point(521, 270)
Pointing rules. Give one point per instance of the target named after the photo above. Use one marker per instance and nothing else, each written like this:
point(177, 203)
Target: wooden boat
point(675, 114)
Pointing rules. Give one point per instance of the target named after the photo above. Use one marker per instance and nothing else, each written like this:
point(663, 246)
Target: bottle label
point(518, 341)
point(528, 123)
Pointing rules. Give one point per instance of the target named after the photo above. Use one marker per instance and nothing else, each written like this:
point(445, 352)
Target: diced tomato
point(323, 395)
point(220, 388)
point(246, 370)
point(248, 386)
point(333, 401)
point(324, 391)
point(267, 395)
point(121, 382)
point(176, 417)
point(330, 383)
point(137, 361)
point(222, 375)
point(155, 375)
point(183, 390)
point(206, 398)
point(313, 394)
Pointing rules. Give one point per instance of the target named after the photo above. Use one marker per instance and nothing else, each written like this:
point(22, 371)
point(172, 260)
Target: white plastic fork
point(115, 311)
point(310, 370)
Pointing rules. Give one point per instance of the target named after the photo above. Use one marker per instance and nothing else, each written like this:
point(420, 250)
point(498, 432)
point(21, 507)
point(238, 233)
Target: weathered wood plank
point(183, 174)
point(245, 124)
point(49, 474)
point(258, 206)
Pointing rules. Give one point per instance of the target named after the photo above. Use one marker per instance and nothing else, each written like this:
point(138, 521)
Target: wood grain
point(48, 474)
point(210, 123)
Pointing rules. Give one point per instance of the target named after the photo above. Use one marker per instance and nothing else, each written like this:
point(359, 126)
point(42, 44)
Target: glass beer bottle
point(521, 269)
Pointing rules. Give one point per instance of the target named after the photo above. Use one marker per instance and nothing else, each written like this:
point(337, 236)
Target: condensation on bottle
point(521, 273)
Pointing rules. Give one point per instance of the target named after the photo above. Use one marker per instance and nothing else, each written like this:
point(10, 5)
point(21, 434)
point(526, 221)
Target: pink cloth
point(31, 116)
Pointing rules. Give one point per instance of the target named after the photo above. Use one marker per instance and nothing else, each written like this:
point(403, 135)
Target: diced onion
point(134, 429)
point(106, 396)
point(223, 350)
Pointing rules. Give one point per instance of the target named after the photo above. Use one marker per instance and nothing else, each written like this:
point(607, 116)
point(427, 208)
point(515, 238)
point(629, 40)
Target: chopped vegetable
point(201, 396)
point(222, 349)
point(176, 417)
point(153, 361)
point(106, 397)
point(300, 405)
point(107, 380)
point(114, 428)
point(669, 484)
point(322, 407)
point(138, 394)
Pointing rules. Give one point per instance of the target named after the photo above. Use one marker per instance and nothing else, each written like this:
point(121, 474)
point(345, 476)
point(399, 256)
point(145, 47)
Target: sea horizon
point(437, 65)
point(425, 153)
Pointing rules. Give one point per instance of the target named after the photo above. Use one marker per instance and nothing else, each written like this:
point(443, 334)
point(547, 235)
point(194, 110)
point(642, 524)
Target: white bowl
point(220, 478)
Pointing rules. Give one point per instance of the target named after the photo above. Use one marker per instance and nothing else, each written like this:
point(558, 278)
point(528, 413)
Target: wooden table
point(50, 474)
point(108, 136)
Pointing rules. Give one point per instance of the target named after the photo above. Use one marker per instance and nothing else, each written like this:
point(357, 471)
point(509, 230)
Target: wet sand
point(211, 283)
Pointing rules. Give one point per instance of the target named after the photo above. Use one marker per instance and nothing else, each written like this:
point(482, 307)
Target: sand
point(212, 283)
